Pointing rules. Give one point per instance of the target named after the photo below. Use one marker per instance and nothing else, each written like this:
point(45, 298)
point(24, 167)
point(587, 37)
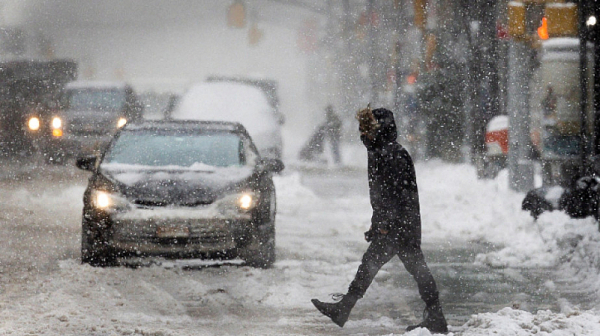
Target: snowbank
point(457, 207)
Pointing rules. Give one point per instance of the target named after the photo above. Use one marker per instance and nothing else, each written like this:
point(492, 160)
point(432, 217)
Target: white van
point(226, 101)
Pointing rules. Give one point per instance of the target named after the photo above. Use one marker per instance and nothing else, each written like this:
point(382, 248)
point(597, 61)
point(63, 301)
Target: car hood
point(162, 186)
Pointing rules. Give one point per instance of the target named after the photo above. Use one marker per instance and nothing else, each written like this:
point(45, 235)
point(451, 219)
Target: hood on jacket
point(385, 133)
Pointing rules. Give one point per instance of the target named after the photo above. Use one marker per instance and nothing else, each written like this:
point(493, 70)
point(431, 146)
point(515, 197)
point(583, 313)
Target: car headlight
point(105, 200)
point(57, 127)
point(121, 122)
point(34, 123)
point(236, 203)
point(56, 123)
point(246, 202)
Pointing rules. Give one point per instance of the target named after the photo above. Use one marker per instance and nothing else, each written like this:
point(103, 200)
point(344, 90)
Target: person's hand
point(383, 231)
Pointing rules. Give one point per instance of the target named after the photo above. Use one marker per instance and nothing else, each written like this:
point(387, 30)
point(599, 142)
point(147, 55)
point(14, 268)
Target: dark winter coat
point(392, 183)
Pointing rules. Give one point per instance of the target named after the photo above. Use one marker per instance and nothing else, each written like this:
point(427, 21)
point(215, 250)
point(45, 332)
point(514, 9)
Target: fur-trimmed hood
point(387, 131)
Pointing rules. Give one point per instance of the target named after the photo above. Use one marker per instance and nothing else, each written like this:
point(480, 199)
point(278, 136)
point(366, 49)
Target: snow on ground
point(319, 246)
point(459, 208)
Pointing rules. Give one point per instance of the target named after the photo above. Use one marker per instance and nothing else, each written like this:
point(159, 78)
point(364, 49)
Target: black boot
point(433, 321)
point(338, 312)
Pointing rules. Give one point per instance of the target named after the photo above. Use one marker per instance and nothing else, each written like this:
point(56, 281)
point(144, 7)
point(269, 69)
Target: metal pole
point(372, 51)
point(583, 83)
point(520, 165)
point(330, 53)
point(470, 93)
point(596, 97)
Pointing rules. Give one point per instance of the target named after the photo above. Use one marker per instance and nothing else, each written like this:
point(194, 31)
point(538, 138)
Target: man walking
point(395, 223)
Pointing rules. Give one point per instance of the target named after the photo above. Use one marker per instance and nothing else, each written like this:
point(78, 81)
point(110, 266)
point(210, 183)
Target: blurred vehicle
point(268, 86)
point(30, 92)
point(237, 102)
point(180, 189)
point(91, 112)
point(158, 105)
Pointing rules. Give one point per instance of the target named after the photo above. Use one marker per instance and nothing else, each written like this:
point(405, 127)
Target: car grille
point(205, 231)
point(89, 132)
point(151, 203)
point(84, 127)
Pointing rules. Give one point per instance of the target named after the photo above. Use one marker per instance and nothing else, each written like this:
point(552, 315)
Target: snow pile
point(458, 210)
point(509, 321)
point(89, 304)
point(456, 205)
point(465, 208)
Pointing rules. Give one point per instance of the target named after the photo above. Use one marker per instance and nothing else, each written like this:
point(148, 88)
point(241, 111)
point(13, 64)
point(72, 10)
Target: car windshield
point(109, 100)
point(183, 150)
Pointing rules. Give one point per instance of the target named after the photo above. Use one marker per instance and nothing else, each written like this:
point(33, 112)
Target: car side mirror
point(272, 165)
point(86, 163)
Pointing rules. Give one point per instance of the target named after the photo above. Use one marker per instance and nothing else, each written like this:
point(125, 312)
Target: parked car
point(179, 189)
point(91, 112)
point(158, 105)
point(237, 102)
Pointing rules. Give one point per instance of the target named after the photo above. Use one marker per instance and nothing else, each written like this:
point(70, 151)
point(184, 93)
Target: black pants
point(382, 250)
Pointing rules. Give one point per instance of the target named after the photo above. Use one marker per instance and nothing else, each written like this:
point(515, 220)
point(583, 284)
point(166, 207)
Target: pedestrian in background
point(333, 129)
point(395, 223)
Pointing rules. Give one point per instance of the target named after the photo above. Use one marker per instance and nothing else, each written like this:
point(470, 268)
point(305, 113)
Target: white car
point(237, 102)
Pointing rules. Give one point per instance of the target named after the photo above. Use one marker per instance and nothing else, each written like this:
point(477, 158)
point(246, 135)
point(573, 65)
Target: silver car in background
point(236, 102)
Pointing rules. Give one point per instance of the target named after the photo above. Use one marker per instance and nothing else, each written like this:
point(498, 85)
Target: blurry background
point(164, 46)
point(346, 53)
point(443, 66)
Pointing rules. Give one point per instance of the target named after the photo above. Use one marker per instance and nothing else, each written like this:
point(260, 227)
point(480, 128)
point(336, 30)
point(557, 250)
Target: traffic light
point(562, 19)
point(517, 14)
point(236, 14)
point(542, 18)
point(420, 8)
point(543, 29)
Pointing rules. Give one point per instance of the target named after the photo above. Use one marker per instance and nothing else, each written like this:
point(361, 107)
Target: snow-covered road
point(489, 258)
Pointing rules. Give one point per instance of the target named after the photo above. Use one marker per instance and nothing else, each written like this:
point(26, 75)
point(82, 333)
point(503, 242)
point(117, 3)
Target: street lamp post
point(520, 166)
point(372, 51)
point(583, 83)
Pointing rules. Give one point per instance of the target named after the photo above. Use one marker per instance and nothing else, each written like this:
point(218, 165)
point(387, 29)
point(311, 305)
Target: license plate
point(172, 232)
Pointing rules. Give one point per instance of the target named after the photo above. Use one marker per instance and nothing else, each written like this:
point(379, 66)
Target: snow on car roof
point(96, 84)
point(186, 125)
point(227, 101)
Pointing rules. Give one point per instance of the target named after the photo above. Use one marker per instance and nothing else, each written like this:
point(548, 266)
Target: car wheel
point(95, 251)
point(261, 252)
